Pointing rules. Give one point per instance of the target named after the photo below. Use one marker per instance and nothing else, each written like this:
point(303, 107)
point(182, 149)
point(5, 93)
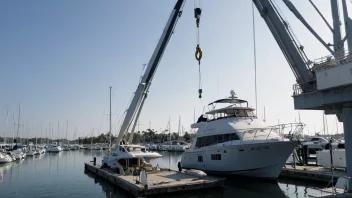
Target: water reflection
point(234, 187)
point(109, 190)
point(62, 175)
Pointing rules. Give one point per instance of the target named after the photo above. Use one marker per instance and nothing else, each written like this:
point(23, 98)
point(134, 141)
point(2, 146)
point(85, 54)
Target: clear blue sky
point(58, 58)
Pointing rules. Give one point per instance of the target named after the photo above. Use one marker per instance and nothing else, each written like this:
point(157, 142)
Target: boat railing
point(262, 134)
point(295, 130)
point(290, 129)
point(305, 88)
point(331, 61)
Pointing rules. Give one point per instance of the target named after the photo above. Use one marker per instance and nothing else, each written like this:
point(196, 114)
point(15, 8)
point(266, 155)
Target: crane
point(324, 84)
point(141, 93)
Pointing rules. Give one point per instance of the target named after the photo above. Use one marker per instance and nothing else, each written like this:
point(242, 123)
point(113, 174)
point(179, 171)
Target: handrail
point(330, 61)
point(296, 128)
point(268, 136)
point(255, 134)
point(304, 88)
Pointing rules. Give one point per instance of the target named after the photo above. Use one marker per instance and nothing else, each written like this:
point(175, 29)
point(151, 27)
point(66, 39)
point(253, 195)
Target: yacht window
point(226, 137)
point(137, 149)
point(317, 139)
point(242, 113)
point(216, 157)
point(250, 114)
point(220, 138)
point(233, 136)
point(215, 139)
point(200, 158)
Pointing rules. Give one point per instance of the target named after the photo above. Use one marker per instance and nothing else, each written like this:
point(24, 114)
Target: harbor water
point(62, 175)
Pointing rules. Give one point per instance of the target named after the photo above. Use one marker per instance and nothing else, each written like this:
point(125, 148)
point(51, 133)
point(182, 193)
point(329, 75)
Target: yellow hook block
point(199, 53)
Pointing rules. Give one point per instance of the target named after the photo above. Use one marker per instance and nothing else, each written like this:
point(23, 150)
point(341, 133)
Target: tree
point(187, 136)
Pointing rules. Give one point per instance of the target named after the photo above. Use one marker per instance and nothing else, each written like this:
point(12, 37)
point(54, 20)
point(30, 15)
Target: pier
point(159, 182)
point(312, 173)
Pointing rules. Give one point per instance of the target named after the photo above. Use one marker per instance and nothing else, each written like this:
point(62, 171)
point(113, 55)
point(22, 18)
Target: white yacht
point(54, 148)
point(33, 152)
point(124, 158)
point(41, 151)
point(233, 141)
point(4, 158)
point(18, 154)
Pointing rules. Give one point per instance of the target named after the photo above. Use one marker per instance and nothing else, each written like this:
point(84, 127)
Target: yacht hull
point(53, 150)
point(260, 160)
point(5, 159)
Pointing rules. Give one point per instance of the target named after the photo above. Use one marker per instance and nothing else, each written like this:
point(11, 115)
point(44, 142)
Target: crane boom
point(142, 89)
point(279, 30)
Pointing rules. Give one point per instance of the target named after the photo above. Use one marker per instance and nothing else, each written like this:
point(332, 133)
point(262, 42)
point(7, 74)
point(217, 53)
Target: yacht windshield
point(231, 113)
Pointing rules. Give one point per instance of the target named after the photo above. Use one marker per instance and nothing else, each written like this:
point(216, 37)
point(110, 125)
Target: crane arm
point(143, 87)
point(279, 29)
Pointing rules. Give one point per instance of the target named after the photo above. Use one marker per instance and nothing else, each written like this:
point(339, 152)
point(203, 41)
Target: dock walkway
point(312, 173)
point(159, 182)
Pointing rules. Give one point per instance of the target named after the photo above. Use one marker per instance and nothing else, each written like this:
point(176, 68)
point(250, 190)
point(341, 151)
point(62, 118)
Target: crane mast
point(143, 87)
point(325, 84)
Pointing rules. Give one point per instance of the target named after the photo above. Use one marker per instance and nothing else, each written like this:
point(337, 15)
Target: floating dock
point(159, 182)
point(328, 193)
point(312, 173)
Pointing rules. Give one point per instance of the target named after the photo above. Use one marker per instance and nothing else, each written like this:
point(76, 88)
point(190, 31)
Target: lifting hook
point(198, 54)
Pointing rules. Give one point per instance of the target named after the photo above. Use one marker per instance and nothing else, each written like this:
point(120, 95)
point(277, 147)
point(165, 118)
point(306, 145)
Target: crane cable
point(198, 53)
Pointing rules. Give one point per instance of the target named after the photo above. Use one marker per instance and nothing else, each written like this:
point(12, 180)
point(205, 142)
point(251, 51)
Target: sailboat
point(17, 153)
point(35, 151)
point(55, 147)
point(66, 147)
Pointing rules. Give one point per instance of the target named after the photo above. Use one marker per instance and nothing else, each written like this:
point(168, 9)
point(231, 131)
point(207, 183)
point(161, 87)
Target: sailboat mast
point(110, 133)
point(179, 127)
point(48, 135)
point(18, 121)
point(66, 131)
point(13, 128)
point(170, 128)
point(7, 127)
point(41, 134)
point(58, 131)
point(91, 139)
point(36, 141)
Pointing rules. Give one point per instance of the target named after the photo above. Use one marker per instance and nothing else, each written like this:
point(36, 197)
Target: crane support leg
point(347, 126)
